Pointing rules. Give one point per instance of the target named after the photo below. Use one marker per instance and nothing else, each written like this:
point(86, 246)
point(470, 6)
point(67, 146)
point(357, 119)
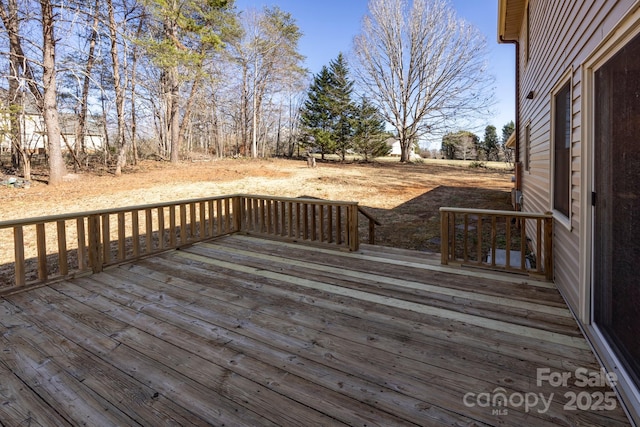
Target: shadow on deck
point(248, 331)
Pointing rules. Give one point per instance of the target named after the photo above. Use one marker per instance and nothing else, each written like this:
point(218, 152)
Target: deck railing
point(498, 240)
point(301, 219)
point(51, 247)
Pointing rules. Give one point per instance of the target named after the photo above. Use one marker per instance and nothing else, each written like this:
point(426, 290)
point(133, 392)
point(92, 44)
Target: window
point(562, 150)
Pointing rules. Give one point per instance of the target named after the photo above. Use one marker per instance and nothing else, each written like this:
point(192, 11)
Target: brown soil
point(404, 198)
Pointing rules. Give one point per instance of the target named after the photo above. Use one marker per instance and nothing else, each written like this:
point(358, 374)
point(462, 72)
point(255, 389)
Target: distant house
point(577, 149)
point(33, 134)
point(394, 144)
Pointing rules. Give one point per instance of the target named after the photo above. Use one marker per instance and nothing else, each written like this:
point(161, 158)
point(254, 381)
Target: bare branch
point(422, 66)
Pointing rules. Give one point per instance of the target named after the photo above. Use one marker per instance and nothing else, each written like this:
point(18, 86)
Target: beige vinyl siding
point(562, 35)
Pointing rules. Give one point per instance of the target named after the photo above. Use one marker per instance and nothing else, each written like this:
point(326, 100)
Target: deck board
point(247, 331)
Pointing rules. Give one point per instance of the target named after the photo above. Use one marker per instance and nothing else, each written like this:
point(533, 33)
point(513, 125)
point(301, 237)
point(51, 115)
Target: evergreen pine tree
point(369, 136)
point(490, 143)
point(341, 104)
point(316, 116)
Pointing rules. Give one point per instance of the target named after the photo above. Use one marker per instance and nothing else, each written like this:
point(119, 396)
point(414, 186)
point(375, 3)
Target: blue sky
point(328, 28)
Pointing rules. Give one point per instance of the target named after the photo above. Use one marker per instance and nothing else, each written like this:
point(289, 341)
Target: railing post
point(548, 246)
point(238, 214)
point(444, 237)
point(95, 250)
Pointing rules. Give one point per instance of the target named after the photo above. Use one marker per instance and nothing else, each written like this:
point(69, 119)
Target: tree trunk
point(10, 19)
point(57, 169)
point(173, 97)
point(404, 151)
point(244, 110)
point(119, 89)
point(82, 116)
point(134, 124)
point(174, 115)
point(186, 118)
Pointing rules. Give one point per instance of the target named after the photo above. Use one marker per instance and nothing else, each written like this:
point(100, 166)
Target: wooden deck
point(247, 331)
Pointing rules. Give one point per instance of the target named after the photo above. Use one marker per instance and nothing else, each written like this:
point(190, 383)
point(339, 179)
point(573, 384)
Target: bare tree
point(57, 168)
point(119, 87)
point(86, 85)
point(422, 66)
point(267, 54)
point(16, 59)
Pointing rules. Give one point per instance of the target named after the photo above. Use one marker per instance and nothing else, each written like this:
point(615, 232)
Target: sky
point(329, 26)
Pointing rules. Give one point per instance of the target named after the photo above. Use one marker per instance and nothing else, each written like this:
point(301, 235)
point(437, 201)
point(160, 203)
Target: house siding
point(562, 35)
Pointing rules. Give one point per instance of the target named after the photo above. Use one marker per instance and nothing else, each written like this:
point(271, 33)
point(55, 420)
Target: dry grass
point(404, 198)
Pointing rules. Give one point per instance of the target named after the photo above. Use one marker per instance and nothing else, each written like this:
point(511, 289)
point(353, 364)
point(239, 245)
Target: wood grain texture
point(248, 331)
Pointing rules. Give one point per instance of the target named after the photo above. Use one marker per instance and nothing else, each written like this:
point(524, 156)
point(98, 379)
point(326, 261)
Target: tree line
point(465, 145)
point(171, 78)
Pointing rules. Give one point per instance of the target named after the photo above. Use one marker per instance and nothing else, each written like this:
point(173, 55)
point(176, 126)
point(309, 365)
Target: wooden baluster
point(18, 249)
point(372, 232)
point(121, 237)
point(452, 233)
point(548, 246)
point(161, 228)
point(494, 238)
point(227, 216)
point(148, 219)
point(305, 221)
point(183, 224)
point(82, 260)
point(95, 244)
point(192, 221)
point(330, 223)
point(106, 239)
point(339, 224)
point(321, 218)
point(135, 233)
point(63, 262)
point(314, 233)
point(275, 216)
point(465, 239)
point(290, 219)
point(479, 254)
point(269, 206)
point(283, 220)
point(219, 217)
point(444, 237)
point(297, 233)
point(262, 221)
point(210, 222)
point(523, 244)
point(172, 227)
point(203, 220)
point(508, 244)
point(539, 245)
point(238, 213)
point(354, 236)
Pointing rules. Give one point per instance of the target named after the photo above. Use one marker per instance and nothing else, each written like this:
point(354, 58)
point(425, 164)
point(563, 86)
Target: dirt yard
point(404, 198)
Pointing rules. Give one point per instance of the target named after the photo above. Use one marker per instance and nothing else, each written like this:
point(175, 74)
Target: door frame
point(616, 39)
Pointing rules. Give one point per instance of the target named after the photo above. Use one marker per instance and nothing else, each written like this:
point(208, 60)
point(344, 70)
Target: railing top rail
point(368, 216)
point(75, 215)
point(299, 199)
point(497, 212)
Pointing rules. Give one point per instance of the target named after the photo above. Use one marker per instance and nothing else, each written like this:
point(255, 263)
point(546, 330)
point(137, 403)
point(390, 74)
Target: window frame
point(565, 83)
